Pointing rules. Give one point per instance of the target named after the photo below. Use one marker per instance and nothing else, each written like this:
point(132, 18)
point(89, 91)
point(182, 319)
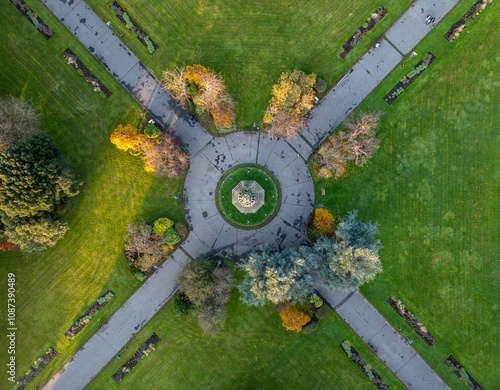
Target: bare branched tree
point(18, 120)
point(165, 156)
point(175, 81)
point(356, 143)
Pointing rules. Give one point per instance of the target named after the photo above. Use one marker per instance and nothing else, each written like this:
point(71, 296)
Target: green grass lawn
point(55, 287)
point(251, 42)
point(253, 351)
point(272, 197)
point(433, 187)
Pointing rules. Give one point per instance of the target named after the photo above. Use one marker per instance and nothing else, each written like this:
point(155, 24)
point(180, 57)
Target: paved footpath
point(211, 157)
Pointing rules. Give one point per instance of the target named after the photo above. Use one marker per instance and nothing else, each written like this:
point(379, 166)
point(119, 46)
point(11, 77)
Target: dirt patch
point(37, 367)
point(34, 19)
point(144, 350)
point(130, 23)
point(409, 78)
point(415, 324)
point(464, 376)
point(85, 72)
point(361, 32)
point(80, 323)
point(363, 365)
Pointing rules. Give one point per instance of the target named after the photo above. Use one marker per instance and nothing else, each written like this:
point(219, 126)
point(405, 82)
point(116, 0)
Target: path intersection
point(212, 156)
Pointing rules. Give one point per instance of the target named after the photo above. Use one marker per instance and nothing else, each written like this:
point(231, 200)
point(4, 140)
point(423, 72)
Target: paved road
point(211, 157)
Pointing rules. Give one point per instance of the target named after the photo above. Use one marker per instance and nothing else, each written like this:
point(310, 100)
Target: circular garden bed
point(235, 187)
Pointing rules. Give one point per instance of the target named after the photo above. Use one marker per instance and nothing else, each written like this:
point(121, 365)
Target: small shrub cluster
point(148, 41)
point(316, 300)
point(6, 246)
point(294, 318)
point(147, 245)
point(396, 93)
point(204, 89)
point(165, 227)
point(323, 224)
point(105, 298)
point(130, 24)
point(291, 100)
point(416, 71)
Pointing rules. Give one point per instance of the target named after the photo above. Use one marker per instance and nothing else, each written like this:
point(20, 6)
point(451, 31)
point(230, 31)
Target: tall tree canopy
point(276, 276)
point(35, 182)
point(350, 260)
point(289, 276)
point(292, 99)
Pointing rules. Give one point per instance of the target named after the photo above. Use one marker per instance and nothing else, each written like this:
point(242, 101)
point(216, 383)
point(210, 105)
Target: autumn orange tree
point(205, 89)
point(293, 318)
point(323, 223)
point(355, 142)
point(292, 98)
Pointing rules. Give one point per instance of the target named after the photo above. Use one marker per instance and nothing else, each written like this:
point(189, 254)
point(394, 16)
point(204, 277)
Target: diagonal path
point(211, 157)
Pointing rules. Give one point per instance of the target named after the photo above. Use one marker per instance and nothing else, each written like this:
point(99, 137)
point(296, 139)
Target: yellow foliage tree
point(127, 138)
point(292, 99)
point(324, 223)
point(294, 318)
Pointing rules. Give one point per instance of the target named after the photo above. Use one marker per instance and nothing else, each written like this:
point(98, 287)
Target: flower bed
point(144, 350)
point(363, 365)
point(415, 324)
point(409, 78)
point(459, 26)
point(462, 373)
point(88, 315)
point(37, 367)
point(76, 63)
point(125, 18)
point(33, 18)
point(361, 32)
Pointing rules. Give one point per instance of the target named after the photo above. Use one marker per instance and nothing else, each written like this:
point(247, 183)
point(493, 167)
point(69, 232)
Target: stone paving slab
point(144, 87)
point(217, 151)
point(194, 247)
point(295, 215)
point(333, 297)
point(391, 348)
point(378, 63)
point(417, 375)
point(61, 8)
point(301, 146)
point(201, 180)
point(208, 231)
point(226, 243)
point(281, 156)
point(266, 146)
point(193, 137)
point(296, 172)
point(243, 146)
point(298, 194)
